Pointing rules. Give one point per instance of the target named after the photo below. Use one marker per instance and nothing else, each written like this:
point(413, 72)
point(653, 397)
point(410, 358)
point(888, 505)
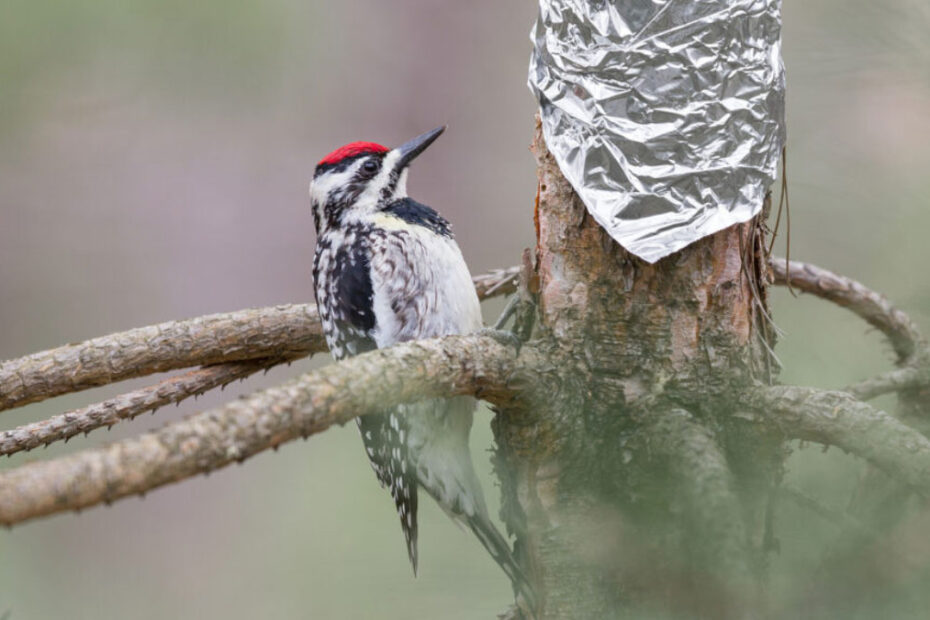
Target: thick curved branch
point(128, 406)
point(306, 405)
point(838, 419)
point(873, 307)
point(290, 331)
point(704, 480)
point(281, 331)
point(878, 499)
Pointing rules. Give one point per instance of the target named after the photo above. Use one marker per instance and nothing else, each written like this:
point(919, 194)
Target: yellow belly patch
point(391, 222)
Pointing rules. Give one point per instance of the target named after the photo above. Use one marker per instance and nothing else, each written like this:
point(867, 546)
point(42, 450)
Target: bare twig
point(497, 282)
point(283, 331)
point(309, 404)
point(871, 306)
point(838, 419)
point(906, 378)
point(837, 517)
point(129, 405)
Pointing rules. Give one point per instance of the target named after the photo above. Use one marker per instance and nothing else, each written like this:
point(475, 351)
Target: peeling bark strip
point(291, 331)
point(897, 326)
point(304, 406)
point(128, 406)
point(838, 419)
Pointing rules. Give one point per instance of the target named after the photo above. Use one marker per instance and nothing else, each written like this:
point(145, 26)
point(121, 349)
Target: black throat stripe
point(418, 214)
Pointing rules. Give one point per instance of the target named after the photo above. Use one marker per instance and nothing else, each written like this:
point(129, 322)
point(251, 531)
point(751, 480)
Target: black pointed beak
point(409, 150)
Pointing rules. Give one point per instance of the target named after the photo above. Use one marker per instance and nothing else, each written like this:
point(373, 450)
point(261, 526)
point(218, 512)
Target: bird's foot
point(502, 336)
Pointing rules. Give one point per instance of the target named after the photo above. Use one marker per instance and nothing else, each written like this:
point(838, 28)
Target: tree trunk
point(646, 358)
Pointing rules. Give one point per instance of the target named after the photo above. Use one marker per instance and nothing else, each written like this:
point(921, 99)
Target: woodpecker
point(387, 269)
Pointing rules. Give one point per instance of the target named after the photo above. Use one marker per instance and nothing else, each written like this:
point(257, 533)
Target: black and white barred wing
point(384, 436)
point(343, 290)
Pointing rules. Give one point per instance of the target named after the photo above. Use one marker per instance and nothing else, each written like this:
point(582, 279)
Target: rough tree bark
point(649, 358)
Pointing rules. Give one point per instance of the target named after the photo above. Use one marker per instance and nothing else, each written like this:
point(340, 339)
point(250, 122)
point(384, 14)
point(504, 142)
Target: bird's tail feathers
point(404, 492)
point(499, 548)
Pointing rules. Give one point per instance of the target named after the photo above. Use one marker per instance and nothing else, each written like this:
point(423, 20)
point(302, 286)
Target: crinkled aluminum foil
point(667, 116)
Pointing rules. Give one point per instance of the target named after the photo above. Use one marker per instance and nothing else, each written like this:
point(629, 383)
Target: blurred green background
point(154, 158)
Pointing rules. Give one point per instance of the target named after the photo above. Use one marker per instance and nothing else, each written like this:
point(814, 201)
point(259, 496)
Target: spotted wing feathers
point(344, 295)
point(384, 436)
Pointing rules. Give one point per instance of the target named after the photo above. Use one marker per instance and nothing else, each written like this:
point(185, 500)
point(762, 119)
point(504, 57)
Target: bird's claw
point(502, 336)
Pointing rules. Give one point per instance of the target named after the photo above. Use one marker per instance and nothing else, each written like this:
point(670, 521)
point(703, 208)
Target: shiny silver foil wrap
point(667, 116)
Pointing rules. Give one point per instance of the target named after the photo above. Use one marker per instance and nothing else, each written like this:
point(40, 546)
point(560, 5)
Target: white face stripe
point(400, 191)
point(370, 198)
point(327, 182)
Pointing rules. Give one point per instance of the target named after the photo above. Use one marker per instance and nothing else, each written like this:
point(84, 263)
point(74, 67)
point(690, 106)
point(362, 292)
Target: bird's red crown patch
point(351, 150)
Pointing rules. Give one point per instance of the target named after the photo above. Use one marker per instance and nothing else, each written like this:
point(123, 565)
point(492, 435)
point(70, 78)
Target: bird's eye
point(371, 166)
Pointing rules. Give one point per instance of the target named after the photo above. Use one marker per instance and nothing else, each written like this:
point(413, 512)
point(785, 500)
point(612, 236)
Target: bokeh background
point(154, 158)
